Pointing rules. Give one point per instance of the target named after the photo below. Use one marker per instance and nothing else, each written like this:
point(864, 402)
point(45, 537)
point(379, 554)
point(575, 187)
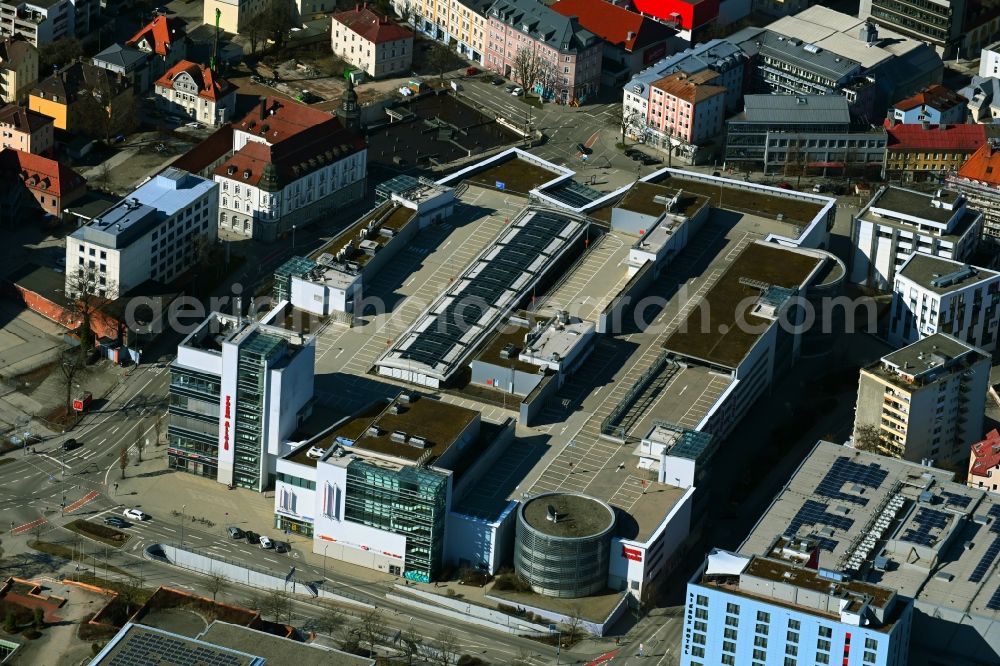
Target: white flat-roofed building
point(898, 222)
point(934, 295)
point(153, 234)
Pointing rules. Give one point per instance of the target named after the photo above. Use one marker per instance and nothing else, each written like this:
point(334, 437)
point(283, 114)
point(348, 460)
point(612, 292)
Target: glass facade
point(251, 375)
point(193, 426)
point(411, 501)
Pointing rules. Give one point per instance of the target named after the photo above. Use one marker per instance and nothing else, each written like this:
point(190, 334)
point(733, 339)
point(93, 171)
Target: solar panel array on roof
point(146, 648)
point(994, 602)
point(954, 499)
point(574, 194)
point(484, 290)
point(986, 561)
point(845, 471)
point(814, 513)
point(927, 520)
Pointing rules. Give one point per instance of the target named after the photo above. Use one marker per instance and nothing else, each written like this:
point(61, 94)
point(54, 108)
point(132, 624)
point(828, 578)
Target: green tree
point(58, 53)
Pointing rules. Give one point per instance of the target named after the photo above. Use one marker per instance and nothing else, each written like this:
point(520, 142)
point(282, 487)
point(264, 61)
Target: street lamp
point(324, 562)
point(183, 510)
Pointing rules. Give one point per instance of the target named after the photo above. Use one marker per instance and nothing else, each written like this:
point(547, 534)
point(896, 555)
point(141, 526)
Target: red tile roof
point(986, 454)
point(210, 85)
point(615, 25)
point(372, 27)
point(160, 34)
point(983, 165)
point(282, 118)
point(935, 96)
point(914, 136)
point(40, 173)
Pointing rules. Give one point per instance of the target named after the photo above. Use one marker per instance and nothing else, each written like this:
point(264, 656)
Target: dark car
point(584, 149)
point(236, 533)
point(632, 152)
point(472, 71)
point(497, 81)
point(281, 547)
point(252, 537)
point(716, 174)
point(70, 444)
point(786, 186)
point(115, 521)
point(637, 156)
point(649, 160)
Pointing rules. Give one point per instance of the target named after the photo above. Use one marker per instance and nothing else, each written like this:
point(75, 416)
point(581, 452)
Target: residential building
point(934, 295)
point(164, 40)
point(128, 62)
point(570, 55)
point(925, 401)
point(955, 28)
point(44, 22)
point(726, 59)
point(922, 151)
point(935, 104)
point(632, 41)
point(989, 61)
point(233, 15)
point(459, 23)
point(898, 222)
point(779, 607)
point(983, 94)
point(372, 42)
point(27, 131)
point(82, 98)
point(35, 184)
point(978, 179)
point(238, 389)
point(984, 460)
point(887, 527)
point(822, 52)
point(796, 135)
point(291, 164)
point(195, 91)
point(18, 68)
point(685, 111)
point(156, 233)
point(692, 18)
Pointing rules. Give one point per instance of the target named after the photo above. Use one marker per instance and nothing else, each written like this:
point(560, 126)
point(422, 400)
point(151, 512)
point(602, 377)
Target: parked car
point(266, 543)
point(785, 185)
point(819, 188)
point(716, 174)
point(70, 444)
point(115, 521)
point(638, 155)
point(281, 547)
point(135, 514)
point(252, 537)
point(236, 533)
point(584, 149)
point(517, 92)
point(649, 160)
point(632, 151)
point(497, 81)
point(472, 71)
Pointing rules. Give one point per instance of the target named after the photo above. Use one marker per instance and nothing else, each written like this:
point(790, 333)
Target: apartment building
point(983, 93)
point(44, 22)
point(462, 24)
point(372, 42)
point(27, 131)
point(978, 179)
point(164, 41)
point(238, 389)
point(801, 134)
point(290, 165)
point(685, 111)
point(36, 184)
point(989, 60)
point(78, 96)
point(984, 463)
point(898, 222)
point(925, 401)
point(156, 233)
point(921, 151)
point(822, 52)
point(570, 55)
point(934, 295)
point(234, 14)
point(18, 68)
point(935, 104)
point(195, 91)
point(955, 28)
point(632, 41)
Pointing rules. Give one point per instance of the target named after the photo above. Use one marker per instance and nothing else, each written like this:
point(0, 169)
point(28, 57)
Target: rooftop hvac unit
point(509, 351)
point(407, 397)
point(375, 431)
point(398, 436)
point(396, 408)
point(417, 442)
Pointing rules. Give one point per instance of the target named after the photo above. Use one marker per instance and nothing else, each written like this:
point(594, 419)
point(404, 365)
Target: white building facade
point(372, 42)
point(195, 91)
point(154, 234)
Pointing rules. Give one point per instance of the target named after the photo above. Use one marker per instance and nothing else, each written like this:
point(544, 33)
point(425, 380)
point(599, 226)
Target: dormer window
point(231, 170)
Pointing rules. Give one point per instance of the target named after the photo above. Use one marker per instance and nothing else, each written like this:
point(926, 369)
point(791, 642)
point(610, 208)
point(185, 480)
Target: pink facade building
point(570, 57)
point(685, 109)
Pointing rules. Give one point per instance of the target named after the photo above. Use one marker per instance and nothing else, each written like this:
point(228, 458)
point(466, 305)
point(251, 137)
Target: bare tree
point(575, 623)
point(867, 438)
point(71, 368)
point(216, 583)
point(89, 293)
point(372, 628)
point(523, 657)
point(446, 648)
point(123, 457)
point(140, 442)
point(277, 605)
point(129, 592)
point(628, 120)
point(331, 621)
point(438, 59)
point(107, 107)
point(410, 644)
point(527, 67)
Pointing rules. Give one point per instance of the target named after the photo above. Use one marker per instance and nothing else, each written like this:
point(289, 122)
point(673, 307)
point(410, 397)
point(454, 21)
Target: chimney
point(631, 36)
point(263, 108)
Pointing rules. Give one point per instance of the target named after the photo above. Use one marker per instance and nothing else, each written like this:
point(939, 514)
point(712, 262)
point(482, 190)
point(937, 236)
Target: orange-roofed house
point(984, 463)
point(165, 40)
point(36, 183)
point(918, 151)
point(934, 104)
point(291, 165)
point(979, 180)
point(632, 41)
point(685, 110)
point(195, 91)
point(372, 42)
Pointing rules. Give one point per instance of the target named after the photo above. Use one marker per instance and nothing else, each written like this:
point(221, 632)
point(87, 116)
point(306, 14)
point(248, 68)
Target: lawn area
point(106, 535)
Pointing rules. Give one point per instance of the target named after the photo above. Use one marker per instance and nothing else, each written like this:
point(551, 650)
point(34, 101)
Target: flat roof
point(817, 109)
point(915, 204)
point(516, 174)
point(731, 334)
point(510, 333)
point(576, 515)
point(137, 645)
point(927, 271)
point(941, 539)
point(276, 650)
point(925, 361)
